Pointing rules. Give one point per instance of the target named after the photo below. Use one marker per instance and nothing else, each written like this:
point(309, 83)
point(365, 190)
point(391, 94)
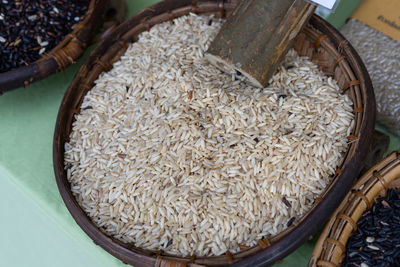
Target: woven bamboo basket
point(330, 249)
point(320, 41)
point(61, 56)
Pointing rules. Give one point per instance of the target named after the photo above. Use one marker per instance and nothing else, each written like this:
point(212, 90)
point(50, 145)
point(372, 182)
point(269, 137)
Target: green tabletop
point(37, 229)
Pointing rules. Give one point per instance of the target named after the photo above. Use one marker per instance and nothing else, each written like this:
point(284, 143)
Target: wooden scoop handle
point(256, 37)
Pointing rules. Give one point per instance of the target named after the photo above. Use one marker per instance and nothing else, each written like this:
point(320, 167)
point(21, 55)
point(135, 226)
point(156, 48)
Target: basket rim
point(360, 199)
point(61, 56)
point(284, 245)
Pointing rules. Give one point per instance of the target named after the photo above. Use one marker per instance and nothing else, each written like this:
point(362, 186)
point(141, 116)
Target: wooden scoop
point(256, 37)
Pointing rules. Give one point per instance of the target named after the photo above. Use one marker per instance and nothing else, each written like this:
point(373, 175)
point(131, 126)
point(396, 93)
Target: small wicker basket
point(61, 56)
point(330, 249)
point(319, 40)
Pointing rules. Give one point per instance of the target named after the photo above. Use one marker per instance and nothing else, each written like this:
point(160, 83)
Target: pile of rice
point(381, 56)
point(170, 153)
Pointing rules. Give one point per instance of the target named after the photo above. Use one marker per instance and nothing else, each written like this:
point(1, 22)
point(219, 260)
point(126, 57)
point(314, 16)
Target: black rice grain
point(290, 222)
point(282, 96)
point(169, 242)
point(286, 202)
point(377, 239)
point(29, 29)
